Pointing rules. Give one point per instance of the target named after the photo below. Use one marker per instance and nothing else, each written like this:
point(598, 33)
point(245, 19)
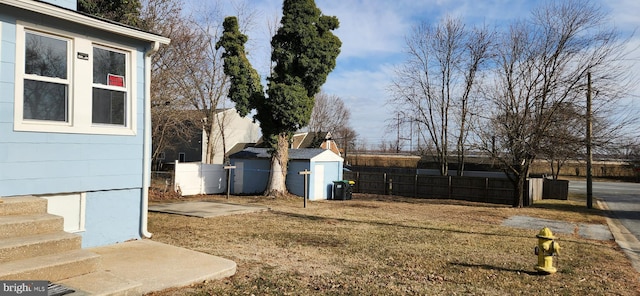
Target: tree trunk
point(211, 125)
point(519, 193)
point(221, 122)
point(522, 173)
point(279, 161)
point(557, 171)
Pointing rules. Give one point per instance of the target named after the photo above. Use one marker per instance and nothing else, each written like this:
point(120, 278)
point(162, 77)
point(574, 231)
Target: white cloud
point(624, 13)
point(365, 95)
point(367, 29)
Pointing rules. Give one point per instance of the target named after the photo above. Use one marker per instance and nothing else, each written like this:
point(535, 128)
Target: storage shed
point(253, 166)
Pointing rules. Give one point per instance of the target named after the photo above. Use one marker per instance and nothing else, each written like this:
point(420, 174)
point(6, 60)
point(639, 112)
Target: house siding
point(108, 168)
point(7, 69)
point(113, 225)
point(236, 129)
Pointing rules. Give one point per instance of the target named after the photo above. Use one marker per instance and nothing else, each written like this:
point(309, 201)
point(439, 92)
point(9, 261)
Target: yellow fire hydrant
point(545, 250)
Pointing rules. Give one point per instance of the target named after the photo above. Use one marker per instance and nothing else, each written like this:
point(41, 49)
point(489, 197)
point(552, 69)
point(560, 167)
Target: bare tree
point(205, 85)
point(168, 104)
point(189, 73)
point(541, 66)
point(564, 139)
point(434, 87)
point(329, 114)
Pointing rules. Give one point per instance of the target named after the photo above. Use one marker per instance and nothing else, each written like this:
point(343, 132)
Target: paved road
point(623, 199)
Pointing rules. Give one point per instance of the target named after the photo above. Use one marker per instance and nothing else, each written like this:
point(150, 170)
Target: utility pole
point(589, 154)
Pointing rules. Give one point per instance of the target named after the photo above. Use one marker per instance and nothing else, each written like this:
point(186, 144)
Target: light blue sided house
point(75, 117)
point(254, 164)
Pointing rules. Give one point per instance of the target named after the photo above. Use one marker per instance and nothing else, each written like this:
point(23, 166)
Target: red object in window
point(115, 80)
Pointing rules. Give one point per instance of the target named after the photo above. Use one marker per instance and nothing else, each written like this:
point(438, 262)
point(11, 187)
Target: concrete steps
point(24, 225)
point(53, 267)
point(24, 247)
point(23, 205)
point(34, 245)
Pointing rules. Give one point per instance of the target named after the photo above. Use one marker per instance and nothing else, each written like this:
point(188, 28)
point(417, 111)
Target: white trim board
point(75, 17)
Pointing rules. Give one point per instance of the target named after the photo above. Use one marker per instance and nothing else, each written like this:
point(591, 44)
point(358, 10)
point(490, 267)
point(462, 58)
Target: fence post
point(486, 189)
point(450, 187)
point(384, 188)
point(176, 186)
point(229, 167)
point(306, 173)
point(415, 186)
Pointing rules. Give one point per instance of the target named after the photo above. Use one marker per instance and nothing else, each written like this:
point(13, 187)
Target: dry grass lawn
point(380, 245)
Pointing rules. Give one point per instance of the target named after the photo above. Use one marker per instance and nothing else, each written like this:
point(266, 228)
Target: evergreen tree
point(123, 11)
point(304, 52)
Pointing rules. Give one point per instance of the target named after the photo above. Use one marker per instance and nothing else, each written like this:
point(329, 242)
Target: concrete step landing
point(102, 283)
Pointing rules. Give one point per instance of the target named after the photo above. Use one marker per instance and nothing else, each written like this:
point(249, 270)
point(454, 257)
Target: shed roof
point(294, 154)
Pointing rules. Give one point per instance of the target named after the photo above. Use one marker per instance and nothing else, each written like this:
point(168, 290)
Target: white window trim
point(55, 80)
point(126, 89)
point(80, 79)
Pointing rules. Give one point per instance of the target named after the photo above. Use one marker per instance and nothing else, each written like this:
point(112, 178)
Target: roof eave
point(73, 16)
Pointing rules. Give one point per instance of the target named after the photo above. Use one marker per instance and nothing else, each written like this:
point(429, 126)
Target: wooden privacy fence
point(477, 189)
point(555, 189)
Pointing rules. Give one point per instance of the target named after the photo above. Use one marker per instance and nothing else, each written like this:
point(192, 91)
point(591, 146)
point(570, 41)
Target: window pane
point(108, 64)
point(44, 101)
point(108, 106)
point(45, 56)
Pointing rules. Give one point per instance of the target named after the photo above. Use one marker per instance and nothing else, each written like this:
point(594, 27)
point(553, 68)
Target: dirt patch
point(381, 245)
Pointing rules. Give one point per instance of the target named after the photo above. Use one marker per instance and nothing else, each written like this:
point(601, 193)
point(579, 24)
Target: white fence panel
point(194, 178)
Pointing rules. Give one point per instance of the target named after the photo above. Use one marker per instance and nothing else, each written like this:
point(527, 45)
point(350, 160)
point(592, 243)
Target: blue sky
point(373, 34)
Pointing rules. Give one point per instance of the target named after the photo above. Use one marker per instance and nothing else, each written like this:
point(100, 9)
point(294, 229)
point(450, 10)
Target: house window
point(109, 86)
point(70, 83)
point(46, 83)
